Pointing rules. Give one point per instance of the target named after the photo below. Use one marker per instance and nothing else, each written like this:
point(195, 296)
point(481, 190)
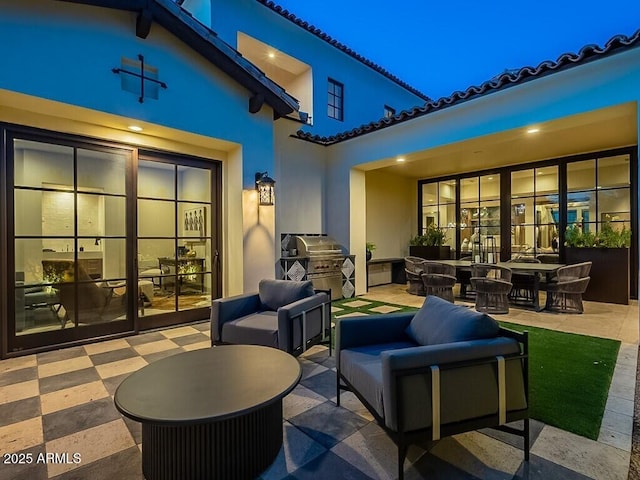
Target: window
point(389, 111)
point(439, 208)
point(535, 212)
point(335, 105)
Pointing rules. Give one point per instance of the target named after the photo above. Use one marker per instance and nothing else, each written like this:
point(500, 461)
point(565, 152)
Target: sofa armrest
point(372, 329)
point(460, 363)
point(445, 353)
point(226, 309)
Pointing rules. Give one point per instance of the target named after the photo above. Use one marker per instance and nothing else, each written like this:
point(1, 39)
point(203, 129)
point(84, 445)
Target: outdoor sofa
point(443, 370)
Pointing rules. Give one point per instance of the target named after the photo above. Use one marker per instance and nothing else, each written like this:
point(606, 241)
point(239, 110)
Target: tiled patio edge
point(617, 422)
point(634, 466)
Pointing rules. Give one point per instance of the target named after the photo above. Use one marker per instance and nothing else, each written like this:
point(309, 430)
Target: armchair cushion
point(260, 328)
point(277, 293)
point(439, 321)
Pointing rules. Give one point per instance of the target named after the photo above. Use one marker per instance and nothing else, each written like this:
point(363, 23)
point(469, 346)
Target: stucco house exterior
point(132, 132)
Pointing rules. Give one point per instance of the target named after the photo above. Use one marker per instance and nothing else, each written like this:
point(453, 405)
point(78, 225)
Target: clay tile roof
point(507, 79)
point(340, 46)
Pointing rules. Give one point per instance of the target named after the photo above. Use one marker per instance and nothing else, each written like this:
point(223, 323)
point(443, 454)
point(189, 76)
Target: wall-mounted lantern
point(265, 187)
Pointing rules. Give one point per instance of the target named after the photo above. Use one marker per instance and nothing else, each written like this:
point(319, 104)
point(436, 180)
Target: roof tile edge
point(586, 54)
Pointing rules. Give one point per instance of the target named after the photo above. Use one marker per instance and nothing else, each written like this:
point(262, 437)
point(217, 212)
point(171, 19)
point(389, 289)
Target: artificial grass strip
point(569, 378)
point(344, 304)
point(569, 374)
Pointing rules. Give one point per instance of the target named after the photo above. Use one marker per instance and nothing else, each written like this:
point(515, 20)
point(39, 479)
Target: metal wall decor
point(144, 77)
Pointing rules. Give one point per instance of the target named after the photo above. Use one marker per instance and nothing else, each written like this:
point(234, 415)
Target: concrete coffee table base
point(237, 448)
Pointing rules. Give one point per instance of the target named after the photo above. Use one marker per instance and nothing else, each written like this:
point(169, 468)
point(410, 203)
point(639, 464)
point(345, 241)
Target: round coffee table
point(210, 413)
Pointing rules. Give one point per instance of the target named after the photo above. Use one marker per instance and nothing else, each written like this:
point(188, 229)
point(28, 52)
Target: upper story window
point(389, 111)
point(335, 103)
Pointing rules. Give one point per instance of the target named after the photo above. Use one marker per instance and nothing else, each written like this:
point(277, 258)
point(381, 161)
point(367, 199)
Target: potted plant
point(370, 248)
point(608, 252)
point(430, 245)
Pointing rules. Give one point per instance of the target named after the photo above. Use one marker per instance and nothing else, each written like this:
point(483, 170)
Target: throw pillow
point(276, 293)
point(439, 321)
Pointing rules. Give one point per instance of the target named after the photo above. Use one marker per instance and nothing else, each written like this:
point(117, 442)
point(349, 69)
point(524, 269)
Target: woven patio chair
point(524, 284)
point(464, 278)
point(565, 295)
point(492, 284)
point(439, 279)
point(413, 267)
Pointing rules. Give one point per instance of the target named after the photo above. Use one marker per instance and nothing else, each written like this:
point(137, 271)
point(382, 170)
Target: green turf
point(569, 378)
point(569, 374)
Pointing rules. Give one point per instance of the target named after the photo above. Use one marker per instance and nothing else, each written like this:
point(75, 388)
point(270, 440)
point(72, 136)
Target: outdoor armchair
point(413, 267)
point(415, 373)
point(565, 294)
point(283, 314)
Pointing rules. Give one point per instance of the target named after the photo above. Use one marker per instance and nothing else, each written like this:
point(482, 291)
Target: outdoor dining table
point(546, 269)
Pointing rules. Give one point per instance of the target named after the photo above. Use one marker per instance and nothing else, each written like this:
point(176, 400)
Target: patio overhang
point(598, 130)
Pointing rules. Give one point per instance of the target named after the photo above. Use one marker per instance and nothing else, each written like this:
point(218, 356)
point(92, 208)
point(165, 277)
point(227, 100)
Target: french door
point(104, 239)
point(177, 211)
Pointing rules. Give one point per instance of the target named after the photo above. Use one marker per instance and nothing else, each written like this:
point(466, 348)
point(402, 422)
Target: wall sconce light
point(265, 187)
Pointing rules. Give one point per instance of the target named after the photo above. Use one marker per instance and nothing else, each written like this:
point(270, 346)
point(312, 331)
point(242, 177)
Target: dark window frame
point(335, 100)
point(388, 111)
point(562, 163)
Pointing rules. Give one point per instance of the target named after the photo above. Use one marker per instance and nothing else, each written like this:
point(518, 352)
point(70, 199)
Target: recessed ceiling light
point(134, 128)
point(540, 172)
point(272, 55)
point(533, 130)
point(489, 178)
point(400, 159)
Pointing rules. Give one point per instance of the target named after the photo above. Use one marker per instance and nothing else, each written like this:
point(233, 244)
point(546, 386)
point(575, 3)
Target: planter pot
point(430, 253)
point(609, 273)
point(369, 255)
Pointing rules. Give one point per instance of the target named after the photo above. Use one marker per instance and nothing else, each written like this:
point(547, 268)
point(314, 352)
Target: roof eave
point(177, 21)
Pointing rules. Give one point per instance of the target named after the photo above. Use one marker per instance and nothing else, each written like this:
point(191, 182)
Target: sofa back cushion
point(439, 321)
point(277, 293)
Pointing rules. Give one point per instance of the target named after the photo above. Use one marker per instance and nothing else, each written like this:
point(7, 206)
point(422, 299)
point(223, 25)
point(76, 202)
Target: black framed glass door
point(177, 211)
point(68, 254)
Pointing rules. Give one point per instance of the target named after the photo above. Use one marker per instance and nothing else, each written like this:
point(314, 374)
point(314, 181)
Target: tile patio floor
point(62, 401)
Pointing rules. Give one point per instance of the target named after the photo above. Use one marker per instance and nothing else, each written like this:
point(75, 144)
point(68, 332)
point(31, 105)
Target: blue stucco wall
point(366, 91)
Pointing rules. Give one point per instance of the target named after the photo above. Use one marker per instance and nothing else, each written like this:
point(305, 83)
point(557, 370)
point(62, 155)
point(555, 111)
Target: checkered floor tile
point(61, 403)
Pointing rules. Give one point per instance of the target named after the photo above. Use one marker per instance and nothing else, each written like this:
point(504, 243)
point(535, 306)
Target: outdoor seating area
point(63, 401)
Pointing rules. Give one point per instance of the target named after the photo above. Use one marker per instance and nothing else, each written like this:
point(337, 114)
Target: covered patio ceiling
point(597, 130)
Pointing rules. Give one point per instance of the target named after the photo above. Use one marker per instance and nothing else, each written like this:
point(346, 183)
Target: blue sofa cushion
point(439, 321)
point(363, 367)
point(277, 293)
point(256, 329)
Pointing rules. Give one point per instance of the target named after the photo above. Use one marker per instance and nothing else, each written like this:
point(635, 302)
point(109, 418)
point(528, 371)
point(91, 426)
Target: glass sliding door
point(176, 264)
point(68, 245)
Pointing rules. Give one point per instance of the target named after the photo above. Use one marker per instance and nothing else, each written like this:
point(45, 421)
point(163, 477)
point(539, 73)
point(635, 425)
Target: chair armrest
point(226, 309)
point(296, 308)
point(287, 314)
point(372, 329)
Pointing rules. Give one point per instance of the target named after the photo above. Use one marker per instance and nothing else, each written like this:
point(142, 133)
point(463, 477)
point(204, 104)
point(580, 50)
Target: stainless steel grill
point(325, 259)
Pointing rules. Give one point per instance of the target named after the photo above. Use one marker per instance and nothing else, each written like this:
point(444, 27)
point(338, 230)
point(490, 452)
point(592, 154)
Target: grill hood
point(317, 246)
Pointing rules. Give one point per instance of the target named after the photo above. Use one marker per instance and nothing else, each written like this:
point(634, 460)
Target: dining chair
point(492, 284)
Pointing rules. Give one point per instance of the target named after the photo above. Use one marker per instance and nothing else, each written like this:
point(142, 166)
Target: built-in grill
point(325, 259)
